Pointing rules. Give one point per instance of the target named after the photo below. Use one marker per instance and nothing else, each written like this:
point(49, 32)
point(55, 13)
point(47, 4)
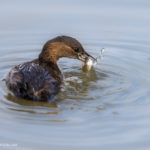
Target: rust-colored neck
point(53, 51)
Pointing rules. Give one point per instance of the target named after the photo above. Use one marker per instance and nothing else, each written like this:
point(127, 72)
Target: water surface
point(106, 108)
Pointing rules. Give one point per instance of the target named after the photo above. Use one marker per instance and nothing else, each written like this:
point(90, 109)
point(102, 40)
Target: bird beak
point(85, 56)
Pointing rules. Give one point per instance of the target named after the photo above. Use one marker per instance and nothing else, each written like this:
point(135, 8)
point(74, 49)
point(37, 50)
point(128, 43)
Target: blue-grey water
point(106, 108)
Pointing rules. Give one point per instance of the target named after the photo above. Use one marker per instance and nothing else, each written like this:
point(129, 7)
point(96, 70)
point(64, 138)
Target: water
point(106, 108)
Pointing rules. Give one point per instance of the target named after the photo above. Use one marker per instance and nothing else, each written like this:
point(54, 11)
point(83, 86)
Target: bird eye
point(76, 49)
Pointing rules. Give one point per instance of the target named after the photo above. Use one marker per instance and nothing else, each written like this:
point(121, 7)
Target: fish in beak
point(88, 61)
point(84, 57)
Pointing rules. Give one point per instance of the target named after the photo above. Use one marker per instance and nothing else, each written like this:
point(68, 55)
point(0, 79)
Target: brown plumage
point(41, 78)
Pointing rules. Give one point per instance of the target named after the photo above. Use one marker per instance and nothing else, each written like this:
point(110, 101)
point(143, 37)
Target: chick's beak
point(85, 56)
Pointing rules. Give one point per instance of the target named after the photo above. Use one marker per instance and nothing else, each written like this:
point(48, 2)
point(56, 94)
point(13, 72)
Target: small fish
point(88, 64)
point(92, 61)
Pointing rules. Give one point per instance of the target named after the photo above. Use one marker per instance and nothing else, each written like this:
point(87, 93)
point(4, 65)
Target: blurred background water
point(107, 108)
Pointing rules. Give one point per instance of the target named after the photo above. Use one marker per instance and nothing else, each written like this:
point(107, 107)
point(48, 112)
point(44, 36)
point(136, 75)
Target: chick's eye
point(76, 49)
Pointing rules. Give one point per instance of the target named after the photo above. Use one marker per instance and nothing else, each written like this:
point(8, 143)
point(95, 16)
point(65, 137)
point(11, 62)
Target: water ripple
point(109, 94)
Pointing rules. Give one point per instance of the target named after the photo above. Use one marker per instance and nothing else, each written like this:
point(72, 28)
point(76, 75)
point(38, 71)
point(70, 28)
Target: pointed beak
point(85, 56)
